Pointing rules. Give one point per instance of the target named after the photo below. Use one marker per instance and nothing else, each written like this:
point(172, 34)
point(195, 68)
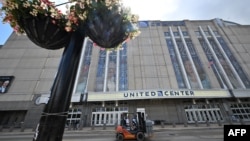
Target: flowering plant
point(15, 10)
point(106, 22)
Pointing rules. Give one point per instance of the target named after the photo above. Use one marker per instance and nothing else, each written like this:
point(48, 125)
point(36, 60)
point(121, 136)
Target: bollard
point(174, 125)
point(242, 122)
point(208, 124)
point(162, 124)
point(69, 127)
point(80, 125)
point(104, 126)
point(22, 127)
point(185, 124)
point(34, 129)
point(93, 127)
point(196, 123)
point(230, 121)
point(11, 128)
point(115, 125)
point(1, 128)
point(149, 128)
point(219, 122)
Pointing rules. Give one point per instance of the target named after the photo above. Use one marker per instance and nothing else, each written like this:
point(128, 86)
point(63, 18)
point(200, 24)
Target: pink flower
point(54, 21)
point(68, 29)
point(46, 2)
point(127, 40)
point(101, 48)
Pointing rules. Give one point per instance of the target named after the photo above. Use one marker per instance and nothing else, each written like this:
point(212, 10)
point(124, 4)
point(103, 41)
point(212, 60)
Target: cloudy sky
point(168, 10)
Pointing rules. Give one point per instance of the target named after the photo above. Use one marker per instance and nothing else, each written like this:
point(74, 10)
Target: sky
point(237, 11)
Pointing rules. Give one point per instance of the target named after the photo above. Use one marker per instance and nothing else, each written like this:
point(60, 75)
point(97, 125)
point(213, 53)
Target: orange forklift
point(133, 126)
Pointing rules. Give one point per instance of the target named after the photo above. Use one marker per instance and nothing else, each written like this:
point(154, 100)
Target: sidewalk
point(111, 129)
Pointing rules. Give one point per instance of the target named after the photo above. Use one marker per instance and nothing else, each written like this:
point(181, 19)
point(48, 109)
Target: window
point(220, 77)
point(197, 33)
point(235, 63)
point(189, 70)
point(123, 67)
point(74, 117)
point(166, 34)
point(173, 23)
point(216, 33)
point(155, 24)
point(176, 66)
point(5, 83)
point(100, 71)
point(241, 111)
point(207, 33)
point(143, 24)
point(176, 34)
point(202, 113)
point(84, 71)
point(114, 69)
point(112, 72)
point(185, 33)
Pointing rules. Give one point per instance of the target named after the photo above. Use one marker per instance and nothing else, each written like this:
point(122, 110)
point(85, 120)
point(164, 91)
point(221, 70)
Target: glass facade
point(100, 71)
point(212, 65)
point(175, 63)
point(112, 71)
point(123, 67)
point(193, 80)
point(189, 69)
point(84, 69)
point(231, 72)
point(235, 63)
point(112, 76)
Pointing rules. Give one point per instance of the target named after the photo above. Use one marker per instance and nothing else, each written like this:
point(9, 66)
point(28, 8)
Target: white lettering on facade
point(159, 94)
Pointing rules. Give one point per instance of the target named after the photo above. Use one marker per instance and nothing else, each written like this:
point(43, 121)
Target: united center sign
point(156, 94)
point(144, 94)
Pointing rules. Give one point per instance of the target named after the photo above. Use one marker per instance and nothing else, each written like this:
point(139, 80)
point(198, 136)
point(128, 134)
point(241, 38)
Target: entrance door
point(202, 115)
point(107, 117)
point(74, 117)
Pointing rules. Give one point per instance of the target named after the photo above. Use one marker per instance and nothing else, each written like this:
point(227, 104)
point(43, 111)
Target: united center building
point(179, 71)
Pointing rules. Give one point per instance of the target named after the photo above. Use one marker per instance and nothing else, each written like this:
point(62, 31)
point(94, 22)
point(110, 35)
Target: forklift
point(133, 126)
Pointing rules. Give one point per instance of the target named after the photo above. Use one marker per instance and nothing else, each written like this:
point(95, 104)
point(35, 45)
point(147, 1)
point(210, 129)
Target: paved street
point(166, 133)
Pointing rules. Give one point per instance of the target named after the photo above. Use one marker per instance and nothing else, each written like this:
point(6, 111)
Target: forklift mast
point(142, 122)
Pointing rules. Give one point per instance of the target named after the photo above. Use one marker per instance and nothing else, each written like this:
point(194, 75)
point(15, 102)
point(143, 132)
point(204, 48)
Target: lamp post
point(52, 122)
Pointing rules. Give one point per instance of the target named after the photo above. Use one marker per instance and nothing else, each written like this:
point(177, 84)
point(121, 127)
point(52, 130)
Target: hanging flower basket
point(40, 20)
point(44, 33)
point(106, 28)
point(107, 23)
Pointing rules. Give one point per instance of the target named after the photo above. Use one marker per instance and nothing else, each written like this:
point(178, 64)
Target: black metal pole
point(53, 119)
